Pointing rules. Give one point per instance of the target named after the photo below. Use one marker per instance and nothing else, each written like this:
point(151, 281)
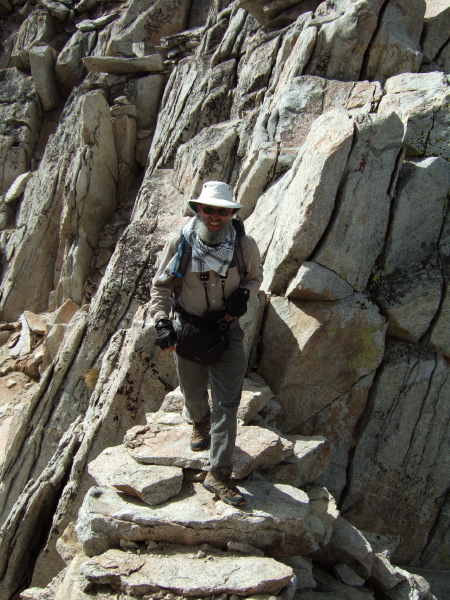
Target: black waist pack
point(202, 344)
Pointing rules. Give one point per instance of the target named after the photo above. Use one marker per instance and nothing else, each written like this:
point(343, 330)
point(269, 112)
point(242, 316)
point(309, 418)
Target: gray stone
point(42, 61)
point(292, 215)
point(395, 47)
point(334, 588)
point(405, 466)
point(302, 568)
point(343, 38)
point(169, 445)
point(58, 9)
point(384, 574)
point(413, 586)
point(298, 101)
point(275, 517)
point(254, 399)
point(349, 343)
point(149, 21)
point(421, 100)
point(38, 28)
point(99, 23)
point(153, 484)
point(406, 291)
point(356, 236)
point(17, 188)
point(435, 28)
point(254, 76)
point(206, 157)
point(187, 574)
point(118, 66)
point(337, 423)
point(347, 575)
point(69, 66)
point(314, 282)
point(310, 459)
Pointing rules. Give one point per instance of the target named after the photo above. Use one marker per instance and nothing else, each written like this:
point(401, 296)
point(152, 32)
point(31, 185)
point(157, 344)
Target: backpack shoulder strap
point(185, 255)
point(238, 253)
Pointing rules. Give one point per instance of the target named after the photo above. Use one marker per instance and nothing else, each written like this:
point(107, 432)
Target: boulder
point(20, 123)
point(58, 9)
point(35, 323)
point(299, 101)
point(153, 484)
point(69, 66)
point(395, 47)
point(337, 422)
point(255, 175)
point(435, 29)
point(187, 574)
point(290, 218)
point(254, 76)
point(356, 235)
point(276, 517)
point(349, 546)
point(302, 568)
point(38, 28)
point(407, 292)
point(421, 100)
point(17, 188)
point(145, 93)
point(310, 459)
point(348, 343)
point(187, 112)
point(314, 282)
point(343, 38)
point(332, 587)
point(400, 458)
point(42, 61)
point(149, 21)
point(206, 157)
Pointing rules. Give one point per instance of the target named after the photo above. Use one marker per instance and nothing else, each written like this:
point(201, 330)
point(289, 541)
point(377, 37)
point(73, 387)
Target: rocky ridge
point(330, 120)
point(152, 530)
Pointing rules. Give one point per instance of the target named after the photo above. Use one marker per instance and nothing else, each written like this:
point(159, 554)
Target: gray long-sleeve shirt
point(192, 297)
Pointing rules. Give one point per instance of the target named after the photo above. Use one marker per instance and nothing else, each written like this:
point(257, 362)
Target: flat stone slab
point(169, 445)
point(276, 518)
point(153, 484)
point(187, 574)
point(164, 445)
point(311, 457)
point(120, 66)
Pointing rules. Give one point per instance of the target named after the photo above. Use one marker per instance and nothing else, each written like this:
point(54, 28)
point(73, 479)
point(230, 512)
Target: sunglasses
point(210, 210)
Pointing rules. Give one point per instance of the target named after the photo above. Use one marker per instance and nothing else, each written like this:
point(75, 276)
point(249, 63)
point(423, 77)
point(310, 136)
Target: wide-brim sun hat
point(215, 193)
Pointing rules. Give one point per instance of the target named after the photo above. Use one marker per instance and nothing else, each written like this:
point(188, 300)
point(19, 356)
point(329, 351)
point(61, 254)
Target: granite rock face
point(330, 121)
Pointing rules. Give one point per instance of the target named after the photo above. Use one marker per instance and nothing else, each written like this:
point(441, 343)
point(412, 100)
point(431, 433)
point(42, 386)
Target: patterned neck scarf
point(206, 257)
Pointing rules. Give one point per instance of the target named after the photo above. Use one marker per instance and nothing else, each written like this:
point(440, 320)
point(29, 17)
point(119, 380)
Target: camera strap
point(204, 278)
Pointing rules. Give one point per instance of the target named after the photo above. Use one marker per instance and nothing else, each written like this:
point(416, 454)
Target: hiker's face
point(214, 218)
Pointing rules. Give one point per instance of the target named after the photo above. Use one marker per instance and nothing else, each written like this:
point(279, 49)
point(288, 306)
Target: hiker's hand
point(166, 337)
point(236, 305)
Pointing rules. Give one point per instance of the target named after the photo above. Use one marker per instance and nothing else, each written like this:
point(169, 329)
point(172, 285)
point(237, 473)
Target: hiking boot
point(223, 485)
point(200, 436)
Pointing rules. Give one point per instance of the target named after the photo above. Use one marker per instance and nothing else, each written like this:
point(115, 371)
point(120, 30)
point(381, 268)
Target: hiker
point(206, 276)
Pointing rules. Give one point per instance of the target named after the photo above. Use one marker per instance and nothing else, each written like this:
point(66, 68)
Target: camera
point(222, 325)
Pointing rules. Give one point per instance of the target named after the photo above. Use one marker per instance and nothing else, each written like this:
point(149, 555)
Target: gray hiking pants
point(226, 379)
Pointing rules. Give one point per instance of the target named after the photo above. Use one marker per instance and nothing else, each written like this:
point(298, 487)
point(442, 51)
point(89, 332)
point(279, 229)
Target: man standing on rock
point(206, 276)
